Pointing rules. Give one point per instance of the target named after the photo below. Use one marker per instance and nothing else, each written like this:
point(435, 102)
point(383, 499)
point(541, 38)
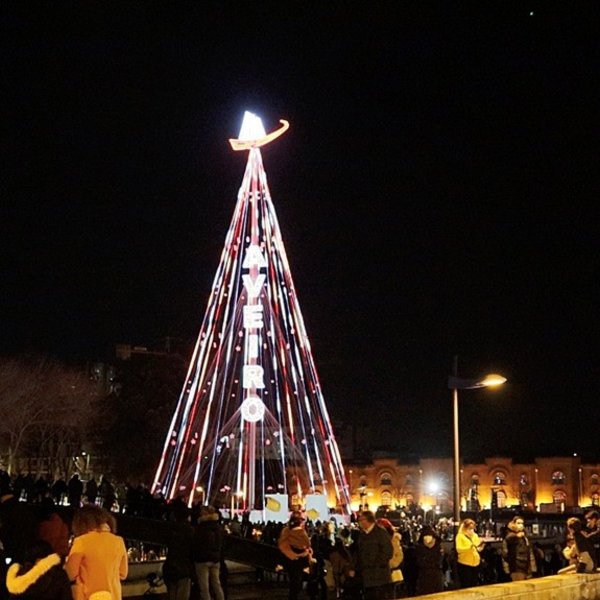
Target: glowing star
point(252, 127)
point(252, 133)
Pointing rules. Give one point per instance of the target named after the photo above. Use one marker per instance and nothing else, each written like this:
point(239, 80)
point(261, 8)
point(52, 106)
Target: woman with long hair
point(97, 561)
point(468, 547)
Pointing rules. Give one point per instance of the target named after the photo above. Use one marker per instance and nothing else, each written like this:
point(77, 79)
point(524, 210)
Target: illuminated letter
point(253, 346)
point(253, 316)
point(253, 409)
point(253, 377)
point(254, 257)
point(253, 287)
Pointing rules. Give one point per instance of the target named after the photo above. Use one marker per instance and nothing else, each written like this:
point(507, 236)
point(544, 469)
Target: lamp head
point(493, 380)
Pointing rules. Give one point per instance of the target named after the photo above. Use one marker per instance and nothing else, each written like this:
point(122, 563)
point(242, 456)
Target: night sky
point(437, 193)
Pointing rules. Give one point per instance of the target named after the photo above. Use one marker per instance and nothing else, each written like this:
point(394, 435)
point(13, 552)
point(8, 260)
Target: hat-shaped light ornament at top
point(253, 135)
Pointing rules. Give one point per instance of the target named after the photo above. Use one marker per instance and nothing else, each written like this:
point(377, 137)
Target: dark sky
point(437, 192)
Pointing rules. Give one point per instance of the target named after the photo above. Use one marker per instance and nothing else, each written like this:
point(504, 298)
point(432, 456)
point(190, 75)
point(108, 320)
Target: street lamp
point(455, 384)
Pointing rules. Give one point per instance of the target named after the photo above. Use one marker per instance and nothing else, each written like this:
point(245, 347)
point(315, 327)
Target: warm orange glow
point(493, 380)
point(249, 144)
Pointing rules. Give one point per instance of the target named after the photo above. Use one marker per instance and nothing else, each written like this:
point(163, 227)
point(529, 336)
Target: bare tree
point(46, 410)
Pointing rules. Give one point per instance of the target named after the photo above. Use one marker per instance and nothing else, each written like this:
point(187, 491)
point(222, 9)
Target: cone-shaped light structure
point(251, 418)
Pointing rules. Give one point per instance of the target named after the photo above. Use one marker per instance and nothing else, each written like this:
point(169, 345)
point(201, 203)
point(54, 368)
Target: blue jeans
point(207, 574)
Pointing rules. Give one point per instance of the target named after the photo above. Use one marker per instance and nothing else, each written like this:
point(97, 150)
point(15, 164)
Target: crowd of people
point(51, 560)
point(368, 558)
point(370, 561)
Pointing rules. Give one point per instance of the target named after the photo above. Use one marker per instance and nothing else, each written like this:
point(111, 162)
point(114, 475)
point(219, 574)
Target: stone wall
point(556, 587)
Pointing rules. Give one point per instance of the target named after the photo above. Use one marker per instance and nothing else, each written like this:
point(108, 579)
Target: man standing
point(592, 532)
point(206, 552)
point(517, 552)
point(373, 557)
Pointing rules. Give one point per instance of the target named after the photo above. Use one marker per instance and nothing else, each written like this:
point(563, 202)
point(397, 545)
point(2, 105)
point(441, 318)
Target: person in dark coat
point(40, 577)
point(206, 552)
point(584, 547)
point(178, 566)
point(18, 524)
point(592, 532)
point(91, 491)
point(75, 490)
point(373, 557)
point(430, 578)
point(517, 552)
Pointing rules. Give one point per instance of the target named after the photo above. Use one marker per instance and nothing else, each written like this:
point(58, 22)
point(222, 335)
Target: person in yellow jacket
point(468, 547)
point(97, 561)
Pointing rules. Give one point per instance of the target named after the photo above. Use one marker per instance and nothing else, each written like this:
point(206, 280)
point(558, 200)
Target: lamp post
point(455, 384)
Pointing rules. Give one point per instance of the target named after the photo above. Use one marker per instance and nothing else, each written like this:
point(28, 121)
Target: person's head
point(517, 524)
point(93, 518)
point(296, 520)
point(387, 525)
point(468, 527)
point(574, 525)
point(366, 519)
point(209, 513)
point(591, 519)
point(38, 550)
point(428, 536)
point(47, 507)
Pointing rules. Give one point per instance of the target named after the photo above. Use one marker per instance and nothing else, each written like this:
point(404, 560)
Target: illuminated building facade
point(550, 484)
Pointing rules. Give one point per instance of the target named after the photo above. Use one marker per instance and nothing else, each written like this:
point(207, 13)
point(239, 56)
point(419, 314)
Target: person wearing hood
point(206, 552)
point(40, 577)
point(430, 578)
point(517, 552)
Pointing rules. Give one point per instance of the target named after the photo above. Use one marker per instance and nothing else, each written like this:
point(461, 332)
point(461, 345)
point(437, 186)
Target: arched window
point(501, 497)
point(524, 480)
point(385, 478)
point(386, 498)
point(559, 496)
point(558, 478)
point(499, 478)
point(475, 479)
point(409, 479)
point(594, 479)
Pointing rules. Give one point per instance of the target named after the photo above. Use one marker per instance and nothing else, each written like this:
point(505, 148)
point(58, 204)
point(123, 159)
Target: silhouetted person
point(75, 491)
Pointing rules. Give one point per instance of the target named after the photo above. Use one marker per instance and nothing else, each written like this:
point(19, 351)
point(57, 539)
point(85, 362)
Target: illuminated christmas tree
point(251, 419)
